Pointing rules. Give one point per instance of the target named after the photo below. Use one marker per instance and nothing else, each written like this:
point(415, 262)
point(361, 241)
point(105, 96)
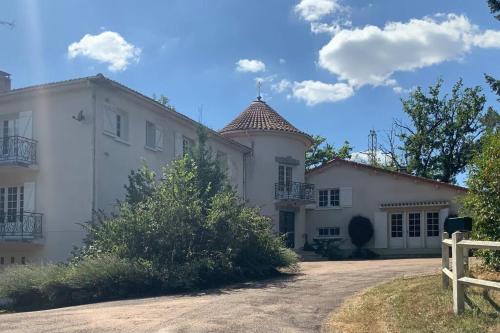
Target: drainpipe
point(94, 139)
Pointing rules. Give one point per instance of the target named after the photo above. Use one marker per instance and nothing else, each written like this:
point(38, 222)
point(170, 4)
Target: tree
point(163, 100)
point(443, 133)
point(495, 10)
point(322, 152)
point(189, 227)
point(482, 201)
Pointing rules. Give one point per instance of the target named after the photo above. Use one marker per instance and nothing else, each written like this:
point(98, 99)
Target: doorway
point(287, 227)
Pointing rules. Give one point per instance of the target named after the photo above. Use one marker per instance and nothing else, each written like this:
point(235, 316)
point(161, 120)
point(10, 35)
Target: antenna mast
point(372, 147)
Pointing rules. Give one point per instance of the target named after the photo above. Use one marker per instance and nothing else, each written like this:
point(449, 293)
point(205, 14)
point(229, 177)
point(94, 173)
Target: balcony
point(294, 192)
point(20, 226)
point(18, 151)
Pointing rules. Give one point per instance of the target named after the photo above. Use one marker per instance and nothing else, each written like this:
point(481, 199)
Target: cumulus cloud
point(370, 55)
point(315, 92)
point(107, 47)
point(250, 65)
point(314, 10)
point(281, 86)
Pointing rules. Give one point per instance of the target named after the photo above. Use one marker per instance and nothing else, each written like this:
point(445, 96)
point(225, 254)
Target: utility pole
point(372, 147)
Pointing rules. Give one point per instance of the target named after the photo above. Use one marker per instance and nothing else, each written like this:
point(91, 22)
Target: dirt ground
point(299, 303)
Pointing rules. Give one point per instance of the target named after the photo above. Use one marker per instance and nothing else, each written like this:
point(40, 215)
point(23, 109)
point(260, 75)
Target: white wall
point(369, 190)
point(63, 176)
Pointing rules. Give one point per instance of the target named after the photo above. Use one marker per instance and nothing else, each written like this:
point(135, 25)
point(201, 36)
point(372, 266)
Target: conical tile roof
point(260, 116)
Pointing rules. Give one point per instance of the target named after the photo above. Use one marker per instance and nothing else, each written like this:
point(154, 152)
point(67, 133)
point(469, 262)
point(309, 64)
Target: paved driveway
point(297, 304)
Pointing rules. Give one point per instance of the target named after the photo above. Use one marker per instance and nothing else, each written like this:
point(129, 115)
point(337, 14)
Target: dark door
point(287, 227)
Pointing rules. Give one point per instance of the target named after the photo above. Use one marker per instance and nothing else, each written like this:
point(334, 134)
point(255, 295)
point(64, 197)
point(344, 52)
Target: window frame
point(413, 231)
point(332, 198)
point(328, 232)
point(397, 229)
point(432, 222)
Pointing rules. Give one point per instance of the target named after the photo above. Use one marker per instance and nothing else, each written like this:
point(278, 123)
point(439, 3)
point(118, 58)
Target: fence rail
point(460, 260)
point(17, 150)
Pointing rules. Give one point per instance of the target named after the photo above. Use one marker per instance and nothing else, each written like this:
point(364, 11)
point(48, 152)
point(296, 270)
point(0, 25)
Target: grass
point(417, 304)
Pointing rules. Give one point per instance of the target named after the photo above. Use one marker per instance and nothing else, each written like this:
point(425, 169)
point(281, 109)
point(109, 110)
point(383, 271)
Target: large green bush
point(482, 201)
point(189, 229)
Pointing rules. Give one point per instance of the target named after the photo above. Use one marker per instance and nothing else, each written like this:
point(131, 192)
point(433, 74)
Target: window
point(23, 260)
point(187, 145)
point(285, 177)
point(397, 225)
point(2, 261)
point(433, 224)
point(11, 203)
point(12, 260)
point(118, 125)
point(150, 134)
point(116, 122)
point(323, 198)
point(414, 224)
point(335, 197)
point(329, 198)
point(328, 232)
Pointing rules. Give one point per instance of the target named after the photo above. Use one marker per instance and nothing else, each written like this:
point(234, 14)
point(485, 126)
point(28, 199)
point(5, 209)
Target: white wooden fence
point(460, 246)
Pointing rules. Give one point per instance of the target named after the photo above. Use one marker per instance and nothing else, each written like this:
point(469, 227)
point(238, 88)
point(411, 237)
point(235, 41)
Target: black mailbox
point(453, 224)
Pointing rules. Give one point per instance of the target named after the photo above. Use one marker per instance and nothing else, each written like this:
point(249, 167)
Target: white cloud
point(250, 65)
point(281, 86)
point(364, 157)
point(315, 92)
point(314, 10)
point(107, 47)
point(282, 61)
point(370, 55)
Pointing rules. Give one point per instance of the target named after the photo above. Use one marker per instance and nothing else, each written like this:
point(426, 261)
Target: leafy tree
point(140, 185)
point(190, 228)
point(322, 152)
point(444, 132)
point(163, 100)
point(482, 201)
point(495, 8)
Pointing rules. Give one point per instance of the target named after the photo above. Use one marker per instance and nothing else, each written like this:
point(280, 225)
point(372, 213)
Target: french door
point(11, 204)
point(287, 227)
point(285, 178)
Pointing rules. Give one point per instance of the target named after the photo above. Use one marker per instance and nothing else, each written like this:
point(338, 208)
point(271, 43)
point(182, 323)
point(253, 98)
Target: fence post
point(445, 261)
point(458, 272)
point(466, 255)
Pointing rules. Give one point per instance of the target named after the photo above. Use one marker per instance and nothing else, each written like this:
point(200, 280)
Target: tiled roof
point(337, 161)
point(260, 116)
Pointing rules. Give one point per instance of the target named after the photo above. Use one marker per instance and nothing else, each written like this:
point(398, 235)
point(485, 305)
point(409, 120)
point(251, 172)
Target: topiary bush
point(360, 231)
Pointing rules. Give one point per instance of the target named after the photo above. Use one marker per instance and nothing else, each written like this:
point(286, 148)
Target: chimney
point(4, 81)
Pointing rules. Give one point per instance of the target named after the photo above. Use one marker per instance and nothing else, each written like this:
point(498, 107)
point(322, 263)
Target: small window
point(187, 145)
point(335, 197)
point(2, 261)
point(397, 225)
point(23, 260)
point(433, 224)
point(118, 125)
point(328, 232)
point(12, 260)
point(323, 198)
point(150, 134)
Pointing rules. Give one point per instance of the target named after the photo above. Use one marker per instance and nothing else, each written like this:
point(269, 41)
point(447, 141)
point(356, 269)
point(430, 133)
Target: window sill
point(329, 208)
point(117, 139)
point(153, 148)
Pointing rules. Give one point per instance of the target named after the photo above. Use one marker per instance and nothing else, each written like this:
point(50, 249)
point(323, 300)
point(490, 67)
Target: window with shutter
point(150, 135)
point(158, 138)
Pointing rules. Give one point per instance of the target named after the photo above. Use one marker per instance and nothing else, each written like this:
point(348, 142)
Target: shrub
point(360, 231)
point(482, 201)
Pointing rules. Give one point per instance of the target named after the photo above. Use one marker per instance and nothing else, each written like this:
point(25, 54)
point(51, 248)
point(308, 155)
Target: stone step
point(309, 256)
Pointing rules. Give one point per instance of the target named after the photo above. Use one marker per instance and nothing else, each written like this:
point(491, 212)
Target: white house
point(66, 149)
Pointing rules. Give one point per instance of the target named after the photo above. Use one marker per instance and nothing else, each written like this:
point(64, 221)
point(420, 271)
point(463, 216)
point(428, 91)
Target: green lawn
point(416, 304)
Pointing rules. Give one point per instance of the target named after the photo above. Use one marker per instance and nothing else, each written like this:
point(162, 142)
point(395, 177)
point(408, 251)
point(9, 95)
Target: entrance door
point(433, 239)
point(396, 232)
point(414, 231)
point(287, 227)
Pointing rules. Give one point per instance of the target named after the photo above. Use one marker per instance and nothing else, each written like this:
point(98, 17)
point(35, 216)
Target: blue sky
point(332, 67)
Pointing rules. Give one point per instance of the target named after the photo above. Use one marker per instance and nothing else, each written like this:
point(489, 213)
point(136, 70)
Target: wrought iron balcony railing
point(17, 150)
point(294, 191)
point(20, 226)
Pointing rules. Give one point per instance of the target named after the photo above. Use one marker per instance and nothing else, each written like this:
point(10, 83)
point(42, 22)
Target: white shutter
point(159, 138)
point(109, 120)
point(25, 124)
point(178, 145)
point(380, 227)
point(29, 197)
point(346, 196)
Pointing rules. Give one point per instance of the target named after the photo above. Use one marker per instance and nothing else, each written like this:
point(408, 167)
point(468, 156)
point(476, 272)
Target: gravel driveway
point(297, 304)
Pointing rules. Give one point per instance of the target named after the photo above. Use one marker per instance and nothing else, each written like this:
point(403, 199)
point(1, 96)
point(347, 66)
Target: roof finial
point(259, 85)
